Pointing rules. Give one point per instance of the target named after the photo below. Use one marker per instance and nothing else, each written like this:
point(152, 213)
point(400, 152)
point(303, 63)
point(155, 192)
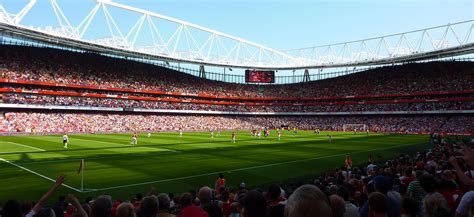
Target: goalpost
point(351, 127)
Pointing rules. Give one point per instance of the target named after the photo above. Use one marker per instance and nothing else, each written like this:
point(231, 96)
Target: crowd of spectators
point(428, 183)
point(127, 103)
point(54, 122)
point(67, 67)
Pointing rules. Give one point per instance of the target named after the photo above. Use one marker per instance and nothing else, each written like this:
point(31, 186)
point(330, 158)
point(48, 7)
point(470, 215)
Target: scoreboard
point(254, 76)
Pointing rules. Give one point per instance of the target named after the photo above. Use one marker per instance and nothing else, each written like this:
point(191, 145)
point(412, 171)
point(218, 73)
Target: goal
point(351, 127)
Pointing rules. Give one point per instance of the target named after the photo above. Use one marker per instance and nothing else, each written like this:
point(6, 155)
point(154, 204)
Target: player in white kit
point(65, 140)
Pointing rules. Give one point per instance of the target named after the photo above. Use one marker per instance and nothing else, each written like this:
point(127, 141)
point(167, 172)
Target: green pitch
point(176, 164)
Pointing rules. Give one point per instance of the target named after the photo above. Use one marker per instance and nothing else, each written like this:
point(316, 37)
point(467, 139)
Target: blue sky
point(285, 24)
point(278, 24)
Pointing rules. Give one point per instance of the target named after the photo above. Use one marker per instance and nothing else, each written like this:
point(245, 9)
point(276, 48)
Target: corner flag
point(81, 167)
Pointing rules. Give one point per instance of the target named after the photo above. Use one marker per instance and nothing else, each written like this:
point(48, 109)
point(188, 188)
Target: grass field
point(28, 164)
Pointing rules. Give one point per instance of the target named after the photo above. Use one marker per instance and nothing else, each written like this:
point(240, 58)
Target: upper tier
point(65, 67)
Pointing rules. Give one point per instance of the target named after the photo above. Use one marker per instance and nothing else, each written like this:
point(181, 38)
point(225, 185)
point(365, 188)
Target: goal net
point(351, 127)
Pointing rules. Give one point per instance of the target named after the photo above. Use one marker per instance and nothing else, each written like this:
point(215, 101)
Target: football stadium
point(114, 108)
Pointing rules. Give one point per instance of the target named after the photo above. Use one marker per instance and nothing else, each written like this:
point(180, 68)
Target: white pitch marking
point(38, 174)
point(27, 146)
point(129, 145)
point(247, 168)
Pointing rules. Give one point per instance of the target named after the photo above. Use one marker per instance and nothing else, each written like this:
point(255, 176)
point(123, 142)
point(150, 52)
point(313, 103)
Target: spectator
point(308, 201)
point(149, 207)
point(125, 210)
point(276, 204)
point(254, 205)
point(235, 209)
point(205, 196)
point(338, 206)
point(382, 185)
point(465, 208)
point(350, 209)
point(410, 207)
point(102, 206)
point(188, 209)
point(433, 201)
point(378, 205)
point(164, 202)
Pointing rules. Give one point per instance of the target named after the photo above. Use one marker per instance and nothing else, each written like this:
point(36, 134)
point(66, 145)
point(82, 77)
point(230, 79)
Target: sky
point(283, 24)
point(280, 24)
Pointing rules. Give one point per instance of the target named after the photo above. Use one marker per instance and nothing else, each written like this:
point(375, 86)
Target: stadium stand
point(61, 80)
point(412, 98)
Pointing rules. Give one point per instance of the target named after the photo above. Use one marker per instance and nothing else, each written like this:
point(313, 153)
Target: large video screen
point(253, 76)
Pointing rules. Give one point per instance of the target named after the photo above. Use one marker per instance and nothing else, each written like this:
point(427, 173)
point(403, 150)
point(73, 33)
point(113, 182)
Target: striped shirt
point(415, 191)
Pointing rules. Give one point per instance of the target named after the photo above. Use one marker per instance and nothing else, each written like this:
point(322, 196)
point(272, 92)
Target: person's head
point(149, 206)
point(448, 175)
point(410, 206)
point(102, 206)
point(307, 201)
point(46, 212)
point(213, 210)
point(164, 201)
point(274, 192)
point(382, 184)
point(139, 196)
point(87, 208)
point(11, 209)
point(338, 206)
point(235, 207)
point(434, 204)
point(408, 171)
point(254, 205)
point(419, 173)
point(377, 204)
point(427, 182)
point(221, 175)
point(205, 195)
point(343, 192)
point(224, 195)
point(125, 210)
point(333, 189)
point(242, 185)
point(186, 199)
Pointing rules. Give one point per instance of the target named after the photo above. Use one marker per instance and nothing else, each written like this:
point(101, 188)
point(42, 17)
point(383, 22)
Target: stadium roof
point(194, 44)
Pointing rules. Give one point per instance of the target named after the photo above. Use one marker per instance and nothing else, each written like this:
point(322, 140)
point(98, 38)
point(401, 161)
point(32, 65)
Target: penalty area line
point(38, 174)
point(247, 168)
point(26, 146)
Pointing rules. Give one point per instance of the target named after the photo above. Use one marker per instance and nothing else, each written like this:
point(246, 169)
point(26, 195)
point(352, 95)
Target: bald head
point(308, 201)
point(338, 206)
point(205, 195)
